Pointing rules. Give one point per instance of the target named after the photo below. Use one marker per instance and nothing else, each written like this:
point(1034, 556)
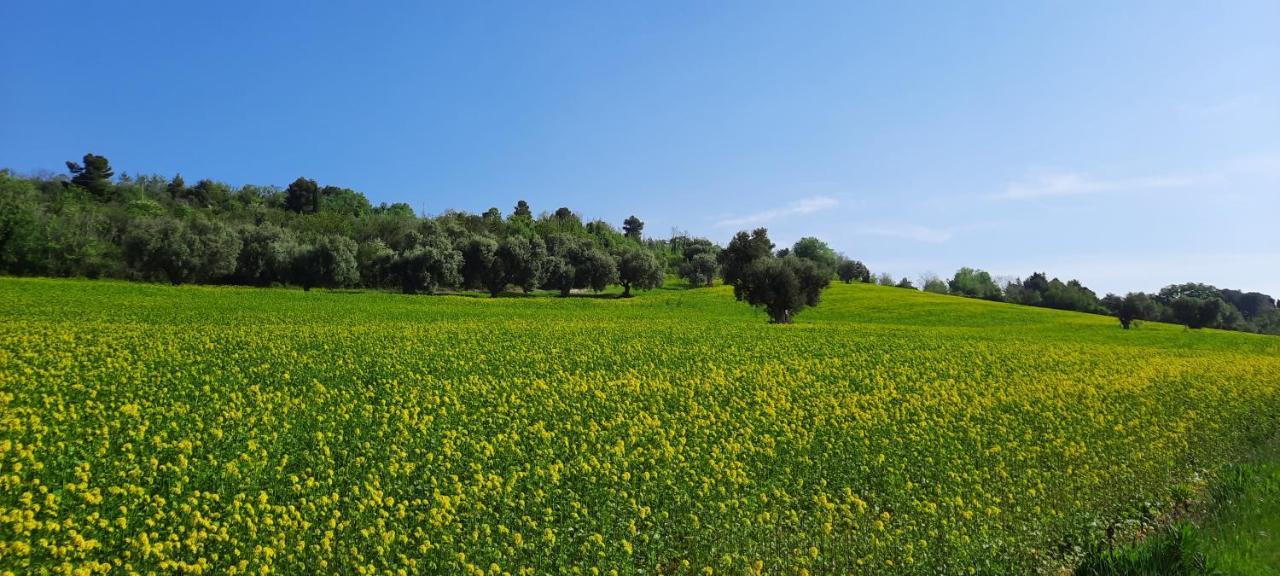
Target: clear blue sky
point(1127, 144)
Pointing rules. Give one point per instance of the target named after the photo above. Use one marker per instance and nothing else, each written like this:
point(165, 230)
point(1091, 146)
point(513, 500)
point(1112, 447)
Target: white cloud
point(1057, 185)
point(803, 206)
point(909, 232)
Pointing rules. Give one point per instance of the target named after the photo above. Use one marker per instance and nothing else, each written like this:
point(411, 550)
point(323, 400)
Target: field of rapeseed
point(151, 429)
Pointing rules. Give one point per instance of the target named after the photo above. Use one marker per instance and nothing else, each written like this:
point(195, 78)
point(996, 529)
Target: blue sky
point(1129, 144)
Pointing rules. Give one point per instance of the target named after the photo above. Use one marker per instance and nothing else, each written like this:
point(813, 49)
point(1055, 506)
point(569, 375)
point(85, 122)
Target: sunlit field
point(146, 428)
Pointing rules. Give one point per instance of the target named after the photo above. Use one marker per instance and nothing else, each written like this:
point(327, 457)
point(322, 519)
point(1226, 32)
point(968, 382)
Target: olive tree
point(782, 286)
point(638, 268)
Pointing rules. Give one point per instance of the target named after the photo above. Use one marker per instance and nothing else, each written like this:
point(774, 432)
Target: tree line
point(1192, 304)
point(91, 223)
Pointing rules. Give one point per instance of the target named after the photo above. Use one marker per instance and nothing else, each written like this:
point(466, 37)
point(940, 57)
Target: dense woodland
point(92, 223)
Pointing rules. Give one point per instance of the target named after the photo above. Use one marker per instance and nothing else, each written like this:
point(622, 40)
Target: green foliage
point(22, 238)
point(480, 263)
point(640, 269)
point(816, 251)
point(850, 270)
point(742, 251)
point(1136, 306)
point(522, 210)
point(94, 176)
point(523, 260)
point(700, 270)
point(974, 284)
point(265, 254)
point(328, 263)
point(427, 263)
point(633, 228)
point(782, 286)
point(303, 195)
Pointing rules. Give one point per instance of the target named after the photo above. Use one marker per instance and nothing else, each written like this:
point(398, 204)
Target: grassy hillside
point(886, 431)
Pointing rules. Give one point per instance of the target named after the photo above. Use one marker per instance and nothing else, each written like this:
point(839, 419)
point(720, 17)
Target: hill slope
point(885, 431)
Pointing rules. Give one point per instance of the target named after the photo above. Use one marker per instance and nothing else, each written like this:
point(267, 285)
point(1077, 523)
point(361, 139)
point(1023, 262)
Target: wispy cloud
point(1058, 185)
point(909, 232)
point(804, 206)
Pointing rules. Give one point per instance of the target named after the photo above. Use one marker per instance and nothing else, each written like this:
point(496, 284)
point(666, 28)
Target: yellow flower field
point(202, 430)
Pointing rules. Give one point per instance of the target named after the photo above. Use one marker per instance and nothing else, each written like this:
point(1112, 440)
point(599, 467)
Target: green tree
point(375, 260)
point(22, 237)
point(328, 263)
point(265, 254)
point(850, 270)
point(303, 195)
point(94, 175)
point(522, 210)
point(700, 270)
point(633, 228)
point(522, 259)
point(1135, 306)
point(816, 251)
point(177, 188)
point(594, 269)
point(559, 274)
point(638, 268)
point(426, 263)
point(974, 284)
point(163, 246)
point(782, 286)
point(479, 258)
point(742, 251)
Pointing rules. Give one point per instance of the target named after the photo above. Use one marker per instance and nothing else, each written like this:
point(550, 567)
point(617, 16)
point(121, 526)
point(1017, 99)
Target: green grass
point(148, 428)
point(1233, 531)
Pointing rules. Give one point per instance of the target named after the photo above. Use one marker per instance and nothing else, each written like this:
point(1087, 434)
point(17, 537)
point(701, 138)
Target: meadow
point(154, 429)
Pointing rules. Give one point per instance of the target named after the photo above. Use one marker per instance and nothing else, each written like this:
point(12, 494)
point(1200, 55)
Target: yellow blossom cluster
point(198, 430)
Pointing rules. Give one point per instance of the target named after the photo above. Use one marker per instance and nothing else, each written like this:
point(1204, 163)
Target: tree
point(329, 263)
point(265, 253)
point(782, 286)
point(1196, 312)
point(427, 268)
point(974, 284)
point(742, 251)
point(632, 228)
point(427, 262)
point(94, 175)
point(161, 245)
point(522, 259)
point(699, 270)
point(1250, 304)
point(177, 188)
point(479, 258)
point(816, 251)
point(905, 283)
point(849, 270)
point(594, 269)
point(216, 248)
point(768, 283)
point(930, 282)
point(1192, 289)
point(303, 195)
point(375, 260)
point(559, 274)
point(342, 201)
point(22, 230)
point(638, 268)
point(885, 279)
point(522, 210)
point(1135, 306)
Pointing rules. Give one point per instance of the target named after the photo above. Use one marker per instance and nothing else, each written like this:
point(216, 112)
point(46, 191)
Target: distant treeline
point(91, 223)
point(1193, 304)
